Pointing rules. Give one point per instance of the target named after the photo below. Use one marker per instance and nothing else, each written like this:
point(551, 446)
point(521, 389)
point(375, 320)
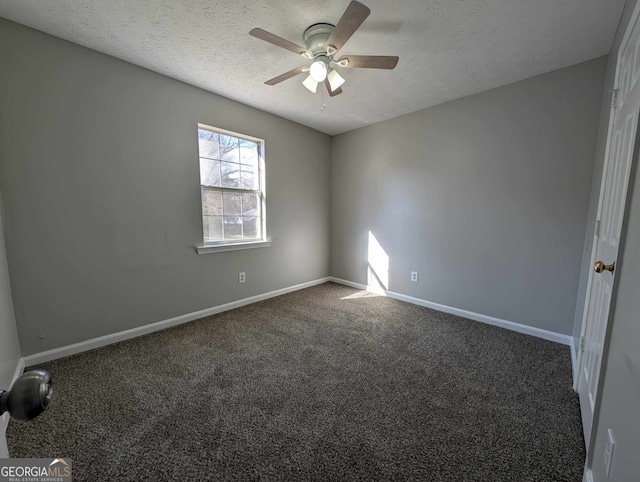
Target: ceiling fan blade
point(280, 42)
point(328, 86)
point(351, 19)
point(369, 62)
point(287, 75)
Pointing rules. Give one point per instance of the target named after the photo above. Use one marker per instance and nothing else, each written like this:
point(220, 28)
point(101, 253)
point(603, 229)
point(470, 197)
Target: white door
point(613, 192)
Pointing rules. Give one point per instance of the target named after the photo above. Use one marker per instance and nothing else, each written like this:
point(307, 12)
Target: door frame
point(631, 26)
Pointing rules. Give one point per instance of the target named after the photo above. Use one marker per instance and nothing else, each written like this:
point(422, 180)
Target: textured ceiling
point(448, 48)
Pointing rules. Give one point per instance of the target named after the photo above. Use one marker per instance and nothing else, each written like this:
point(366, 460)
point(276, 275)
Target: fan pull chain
point(323, 104)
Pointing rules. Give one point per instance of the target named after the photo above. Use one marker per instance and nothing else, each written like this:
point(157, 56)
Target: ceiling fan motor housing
point(316, 36)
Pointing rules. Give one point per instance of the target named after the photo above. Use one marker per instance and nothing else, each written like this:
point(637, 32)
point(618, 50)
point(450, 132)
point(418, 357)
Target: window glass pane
point(209, 172)
point(250, 204)
point(211, 203)
point(229, 148)
point(212, 228)
point(230, 174)
point(249, 177)
point(251, 227)
point(248, 152)
point(232, 204)
point(232, 227)
point(208, 144)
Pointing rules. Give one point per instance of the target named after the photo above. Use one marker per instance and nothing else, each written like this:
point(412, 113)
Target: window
point(232, 187)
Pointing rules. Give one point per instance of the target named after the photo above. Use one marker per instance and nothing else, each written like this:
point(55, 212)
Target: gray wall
point(486, 197)
point(99, 172)
point(620, 380)
point(9, 348)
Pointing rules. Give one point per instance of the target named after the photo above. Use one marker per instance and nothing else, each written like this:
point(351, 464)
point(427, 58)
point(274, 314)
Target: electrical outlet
point(414, 276)
point(241, 277)
point(608, 453)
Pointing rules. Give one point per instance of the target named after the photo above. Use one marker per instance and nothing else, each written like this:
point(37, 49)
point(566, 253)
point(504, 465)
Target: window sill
point(221, 248)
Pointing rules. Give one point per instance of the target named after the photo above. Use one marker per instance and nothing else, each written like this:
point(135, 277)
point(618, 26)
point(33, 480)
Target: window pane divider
point(217, 159)
point(231, 189)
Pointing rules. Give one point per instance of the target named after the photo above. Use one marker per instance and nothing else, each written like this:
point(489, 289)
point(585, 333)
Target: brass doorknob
point(599, 267)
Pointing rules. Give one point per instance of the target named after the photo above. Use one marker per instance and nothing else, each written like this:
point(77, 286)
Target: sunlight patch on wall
point(378, 266)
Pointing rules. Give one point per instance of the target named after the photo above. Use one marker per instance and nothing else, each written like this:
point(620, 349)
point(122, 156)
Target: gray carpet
point(326, 383)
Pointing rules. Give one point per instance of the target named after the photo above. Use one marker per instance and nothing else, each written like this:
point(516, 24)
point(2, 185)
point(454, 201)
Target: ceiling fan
point(322, 41)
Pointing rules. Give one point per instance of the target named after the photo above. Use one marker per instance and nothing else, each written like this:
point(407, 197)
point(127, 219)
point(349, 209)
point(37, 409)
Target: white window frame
point(238, 244)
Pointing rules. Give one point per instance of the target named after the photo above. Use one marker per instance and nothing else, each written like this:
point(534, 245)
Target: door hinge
point(582, 343)
point(615, 93)
point(598, 225)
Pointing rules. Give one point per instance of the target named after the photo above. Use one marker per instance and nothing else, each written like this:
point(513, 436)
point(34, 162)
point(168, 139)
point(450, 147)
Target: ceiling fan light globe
point(335, 80)
point(318, 71)
point(310, 84)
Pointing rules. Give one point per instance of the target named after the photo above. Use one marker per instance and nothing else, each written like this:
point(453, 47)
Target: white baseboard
point(588, 475)
point(490, 320)
point(19, 370)
point(4, 420)
point(68, 350)
point(352, 284)
point(80, 347)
